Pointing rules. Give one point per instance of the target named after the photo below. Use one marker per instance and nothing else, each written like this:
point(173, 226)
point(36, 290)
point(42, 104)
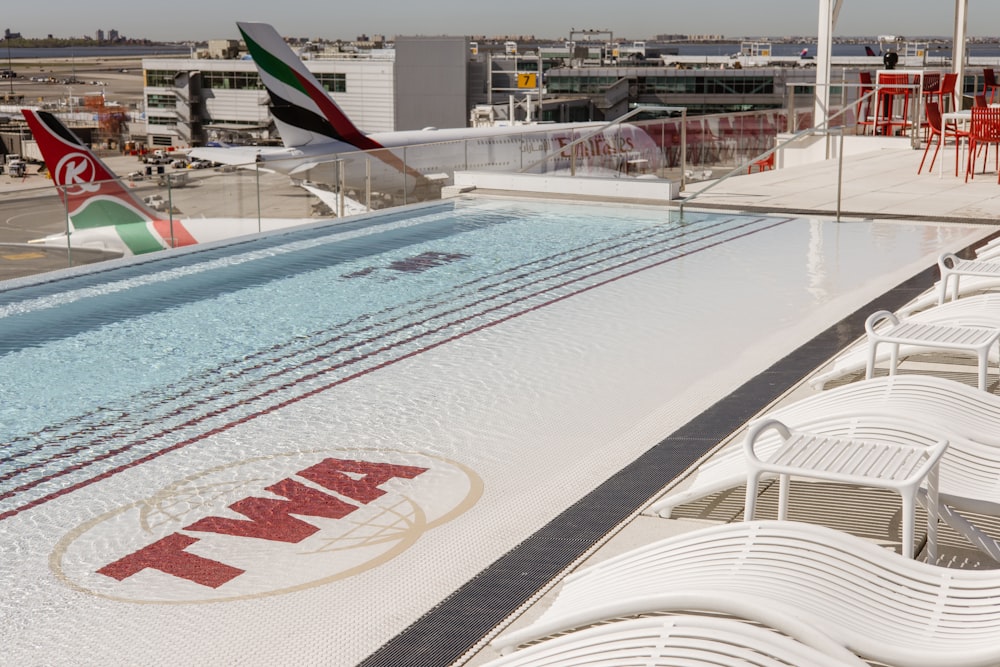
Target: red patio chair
point(939, 133)
point(946, 91)
point(990, 84)
point(863, 110)
point(984, 131)
point(763, 164)
point(938, 89)
point(892, 86)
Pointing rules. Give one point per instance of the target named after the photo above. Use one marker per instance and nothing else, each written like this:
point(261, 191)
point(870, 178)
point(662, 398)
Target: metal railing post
point(69, 226)
point(368, 183)
point(170, 211)
point(341, 181)
point(840, 172)
point(684, 146)
point(790, 110)
point(256, 172)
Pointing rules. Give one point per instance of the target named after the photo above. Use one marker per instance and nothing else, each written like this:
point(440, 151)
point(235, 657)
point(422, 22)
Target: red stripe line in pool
point(106, 436)
point(316, 390)
point(539, 267)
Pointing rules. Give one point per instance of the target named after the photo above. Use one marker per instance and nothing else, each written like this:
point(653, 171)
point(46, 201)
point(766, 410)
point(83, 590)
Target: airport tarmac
point(30, 208)
point(119, 78)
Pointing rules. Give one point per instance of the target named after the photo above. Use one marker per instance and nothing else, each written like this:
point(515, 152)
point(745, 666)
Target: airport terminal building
point(442, 82)
point(420, 83)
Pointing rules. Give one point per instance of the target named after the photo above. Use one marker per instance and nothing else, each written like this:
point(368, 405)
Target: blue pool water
point(107, 370)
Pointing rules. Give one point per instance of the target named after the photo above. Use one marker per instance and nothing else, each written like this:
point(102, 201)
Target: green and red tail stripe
point(294, 89)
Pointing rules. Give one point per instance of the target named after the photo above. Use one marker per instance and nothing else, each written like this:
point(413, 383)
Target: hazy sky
point(345, 19)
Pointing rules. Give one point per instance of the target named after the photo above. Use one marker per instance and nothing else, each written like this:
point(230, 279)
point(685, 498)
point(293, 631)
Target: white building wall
point(369, 100)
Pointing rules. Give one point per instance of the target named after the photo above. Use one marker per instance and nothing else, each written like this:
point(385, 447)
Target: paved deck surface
point(879, 184)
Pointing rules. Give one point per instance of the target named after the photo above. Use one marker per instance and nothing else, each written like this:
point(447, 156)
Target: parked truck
point(15, 166)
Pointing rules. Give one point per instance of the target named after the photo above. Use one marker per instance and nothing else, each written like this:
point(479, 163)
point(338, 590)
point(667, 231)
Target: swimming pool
point(123, 369)
point(403, 381)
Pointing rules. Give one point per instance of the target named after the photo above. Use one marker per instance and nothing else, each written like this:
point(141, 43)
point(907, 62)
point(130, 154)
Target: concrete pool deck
point(880, 184)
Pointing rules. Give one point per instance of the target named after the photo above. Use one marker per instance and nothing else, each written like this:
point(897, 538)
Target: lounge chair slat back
point(793, 577)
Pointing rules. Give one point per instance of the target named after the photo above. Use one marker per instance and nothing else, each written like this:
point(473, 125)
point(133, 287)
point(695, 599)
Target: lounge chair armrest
point(754, 432)
point(948, 261)
point(876, 317)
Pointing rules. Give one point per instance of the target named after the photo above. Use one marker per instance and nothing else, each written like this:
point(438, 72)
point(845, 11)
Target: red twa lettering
point(269, 518)
point(168, 555)
point(330, 474)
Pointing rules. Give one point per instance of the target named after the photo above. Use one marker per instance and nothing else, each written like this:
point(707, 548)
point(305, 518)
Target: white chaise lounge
point(901, 408)
point(972, 282)
point(981, 311)
point(796, 578)
point(670, 641)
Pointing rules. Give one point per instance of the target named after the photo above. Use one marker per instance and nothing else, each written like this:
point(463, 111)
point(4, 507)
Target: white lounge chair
point(884, 328)
point(974, 312)
point(970, 283)
point(953, 268)
point(669, 641)
point(901, 408)
point(859, 450)
point(968, 413)
point(792, 576)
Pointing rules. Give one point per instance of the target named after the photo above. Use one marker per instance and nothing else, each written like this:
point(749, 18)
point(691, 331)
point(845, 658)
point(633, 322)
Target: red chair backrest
point(989, 78)
point(933, 115)
point(948, 83)
point(894, 84)
point(985, 124)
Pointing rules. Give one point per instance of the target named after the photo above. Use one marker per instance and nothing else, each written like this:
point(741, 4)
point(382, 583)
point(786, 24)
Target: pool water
point(112, 373)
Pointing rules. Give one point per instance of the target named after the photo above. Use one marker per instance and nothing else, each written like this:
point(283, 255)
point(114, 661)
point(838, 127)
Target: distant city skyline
point(639, 19)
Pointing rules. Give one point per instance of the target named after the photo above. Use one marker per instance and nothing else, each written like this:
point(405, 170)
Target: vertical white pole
point(958, 43)
point(824, 44)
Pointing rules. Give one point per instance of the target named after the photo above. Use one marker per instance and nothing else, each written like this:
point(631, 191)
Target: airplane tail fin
point(869, 52)
point(301, 107)
point(93, 195)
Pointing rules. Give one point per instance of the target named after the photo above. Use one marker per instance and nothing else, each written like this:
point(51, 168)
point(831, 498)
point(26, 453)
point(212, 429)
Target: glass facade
point(685, 84)
point(231, 80)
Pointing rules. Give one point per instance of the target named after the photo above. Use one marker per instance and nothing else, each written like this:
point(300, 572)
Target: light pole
point(10, 69)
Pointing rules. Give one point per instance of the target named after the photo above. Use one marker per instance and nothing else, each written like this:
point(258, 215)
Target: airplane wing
point(332, 200)
point(235, 155)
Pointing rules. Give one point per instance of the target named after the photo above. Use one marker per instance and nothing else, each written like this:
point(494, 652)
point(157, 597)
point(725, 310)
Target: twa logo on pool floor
point(265, 526)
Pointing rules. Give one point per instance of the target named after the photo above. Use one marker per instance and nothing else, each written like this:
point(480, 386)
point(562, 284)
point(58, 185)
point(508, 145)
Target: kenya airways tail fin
point(103, 213)
point(93, 194)
point(301, 107)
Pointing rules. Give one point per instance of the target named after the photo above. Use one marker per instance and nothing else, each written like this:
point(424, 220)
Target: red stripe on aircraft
point(174, 230)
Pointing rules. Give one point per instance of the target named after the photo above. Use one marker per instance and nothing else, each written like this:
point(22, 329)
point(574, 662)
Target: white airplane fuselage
point(410, 159)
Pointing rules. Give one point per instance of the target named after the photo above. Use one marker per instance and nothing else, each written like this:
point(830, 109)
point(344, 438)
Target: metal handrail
point(798, 135)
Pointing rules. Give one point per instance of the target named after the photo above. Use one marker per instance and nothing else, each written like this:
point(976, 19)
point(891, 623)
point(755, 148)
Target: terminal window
point(332, 82)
